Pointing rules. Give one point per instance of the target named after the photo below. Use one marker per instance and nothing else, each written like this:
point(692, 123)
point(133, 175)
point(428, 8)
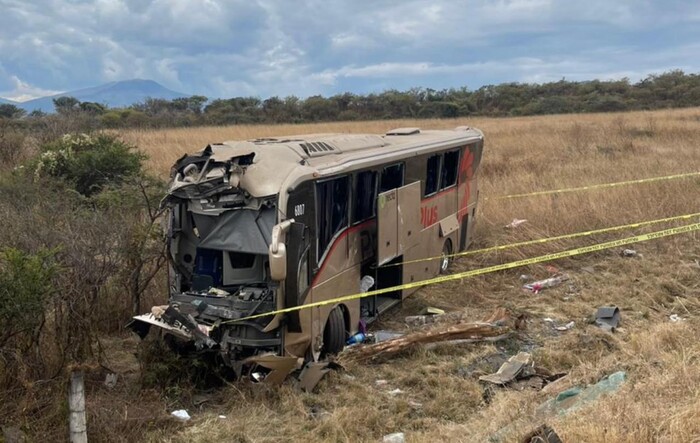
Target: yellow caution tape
point(487, 270)
point(600, 186)
point(549, 239)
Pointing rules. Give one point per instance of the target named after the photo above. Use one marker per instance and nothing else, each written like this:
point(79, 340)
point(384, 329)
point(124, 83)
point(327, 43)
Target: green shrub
point(90, 163)
point(25, 286)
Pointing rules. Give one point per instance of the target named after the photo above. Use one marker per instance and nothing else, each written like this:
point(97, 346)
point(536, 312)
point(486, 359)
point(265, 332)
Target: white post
point(76, 404)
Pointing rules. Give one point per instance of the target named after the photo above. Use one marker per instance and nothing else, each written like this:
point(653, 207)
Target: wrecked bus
point(260, 225)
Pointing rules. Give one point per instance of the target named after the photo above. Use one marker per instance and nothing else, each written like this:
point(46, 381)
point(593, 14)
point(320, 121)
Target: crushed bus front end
point(219, 236)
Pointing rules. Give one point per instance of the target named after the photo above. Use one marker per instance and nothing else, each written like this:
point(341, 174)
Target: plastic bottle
point(357, 338)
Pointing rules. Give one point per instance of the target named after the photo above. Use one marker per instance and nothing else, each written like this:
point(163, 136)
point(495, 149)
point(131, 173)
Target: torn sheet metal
point(312, 373)
point(280, 367)
point(608, 317)
point(510, 370)
point(150, 319)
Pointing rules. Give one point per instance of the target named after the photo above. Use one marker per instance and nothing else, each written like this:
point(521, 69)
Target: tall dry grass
point(441, 399)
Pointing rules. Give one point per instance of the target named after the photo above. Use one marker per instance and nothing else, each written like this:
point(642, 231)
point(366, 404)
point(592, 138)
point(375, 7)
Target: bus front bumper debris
point(175, 323)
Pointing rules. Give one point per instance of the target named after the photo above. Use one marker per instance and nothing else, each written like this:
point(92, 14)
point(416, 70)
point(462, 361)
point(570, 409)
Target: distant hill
point(113, 94)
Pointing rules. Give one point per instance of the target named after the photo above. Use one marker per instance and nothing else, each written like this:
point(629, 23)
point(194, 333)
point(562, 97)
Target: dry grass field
point(441, 398)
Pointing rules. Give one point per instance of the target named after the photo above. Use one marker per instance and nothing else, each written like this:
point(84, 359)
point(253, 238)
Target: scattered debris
point(575, 398)
point(380, 382)
point(543, 434)
point(608, 318)
point(396, 437)
point(629, 253)
point(396, 391)
point(311, 374)
point(494, 329)
point(510, 369)
point(418, 320)
point(222, 417)
point(431, 311)
point(415, 404)
point(318, 413)
point(358, 338)
point(526, 277)
point(111, 380)
point(216, 292)
point(515, 223)
point(280, 367)
point(588, 269)
point(551, 282)
point(554, 325)
point(675, 318)
point(566, 327)
point(181, 414)
point(380, 336)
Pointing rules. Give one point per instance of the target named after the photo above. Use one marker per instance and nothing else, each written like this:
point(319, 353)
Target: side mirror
point(278, 262)
point(278, 251)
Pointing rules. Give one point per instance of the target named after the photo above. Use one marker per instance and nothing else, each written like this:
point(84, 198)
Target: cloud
point(222, 48)
point(23, 91)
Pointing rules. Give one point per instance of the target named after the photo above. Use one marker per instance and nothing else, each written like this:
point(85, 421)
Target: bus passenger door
point(398, 222)
point(398, 229)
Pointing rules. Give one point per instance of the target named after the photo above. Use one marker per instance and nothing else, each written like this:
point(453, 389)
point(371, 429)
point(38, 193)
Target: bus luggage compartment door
point(398, 221)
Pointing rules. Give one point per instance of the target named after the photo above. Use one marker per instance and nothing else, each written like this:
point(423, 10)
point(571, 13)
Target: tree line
point(670, 89)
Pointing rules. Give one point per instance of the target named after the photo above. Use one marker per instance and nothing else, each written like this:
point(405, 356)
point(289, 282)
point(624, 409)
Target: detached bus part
point(257, 226)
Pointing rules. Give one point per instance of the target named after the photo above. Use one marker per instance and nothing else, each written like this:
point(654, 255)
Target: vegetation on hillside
point(669, 90)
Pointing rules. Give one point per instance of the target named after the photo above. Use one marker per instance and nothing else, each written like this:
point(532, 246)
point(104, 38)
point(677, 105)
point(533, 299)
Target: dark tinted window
point(365, 196)
point(450, 164)
point(392, 177)
point(241, 260)
point(432, 174)
point(331, 211)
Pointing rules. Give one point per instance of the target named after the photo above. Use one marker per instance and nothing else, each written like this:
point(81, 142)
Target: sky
point(227, 48)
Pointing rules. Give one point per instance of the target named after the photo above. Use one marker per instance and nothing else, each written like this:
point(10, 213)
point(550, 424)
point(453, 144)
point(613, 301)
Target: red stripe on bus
point(335, 243)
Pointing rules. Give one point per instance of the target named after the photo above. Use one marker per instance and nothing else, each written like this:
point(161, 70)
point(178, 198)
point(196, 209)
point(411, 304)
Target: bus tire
point(446, 259)
point(334, 333)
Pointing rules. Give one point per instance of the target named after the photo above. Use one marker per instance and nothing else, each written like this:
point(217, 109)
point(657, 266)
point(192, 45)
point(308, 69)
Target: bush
point(89, 163)
point(25, 286)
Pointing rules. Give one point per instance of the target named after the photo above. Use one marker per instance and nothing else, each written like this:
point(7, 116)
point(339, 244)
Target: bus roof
point(278, 159)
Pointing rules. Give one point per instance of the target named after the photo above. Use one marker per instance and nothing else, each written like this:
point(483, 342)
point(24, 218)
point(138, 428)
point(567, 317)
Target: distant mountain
point(4, 101)
point(113, 94)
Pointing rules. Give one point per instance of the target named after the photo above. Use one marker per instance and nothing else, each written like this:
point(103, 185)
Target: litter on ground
point(550, 282)
point(608, 318)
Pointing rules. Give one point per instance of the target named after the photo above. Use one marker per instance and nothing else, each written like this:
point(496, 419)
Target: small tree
point(8, 110)
point(66, 105)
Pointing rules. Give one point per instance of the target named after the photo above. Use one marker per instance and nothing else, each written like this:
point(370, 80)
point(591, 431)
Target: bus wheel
point(446, 256)
point(334, 333)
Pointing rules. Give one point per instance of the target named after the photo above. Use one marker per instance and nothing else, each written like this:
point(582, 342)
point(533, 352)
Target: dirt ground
point(440, 397)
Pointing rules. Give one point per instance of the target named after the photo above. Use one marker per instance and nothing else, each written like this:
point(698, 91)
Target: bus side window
point(364, 196)
point(448, 177)
point(432, 174)
point(392, 177)
point(331, 210)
